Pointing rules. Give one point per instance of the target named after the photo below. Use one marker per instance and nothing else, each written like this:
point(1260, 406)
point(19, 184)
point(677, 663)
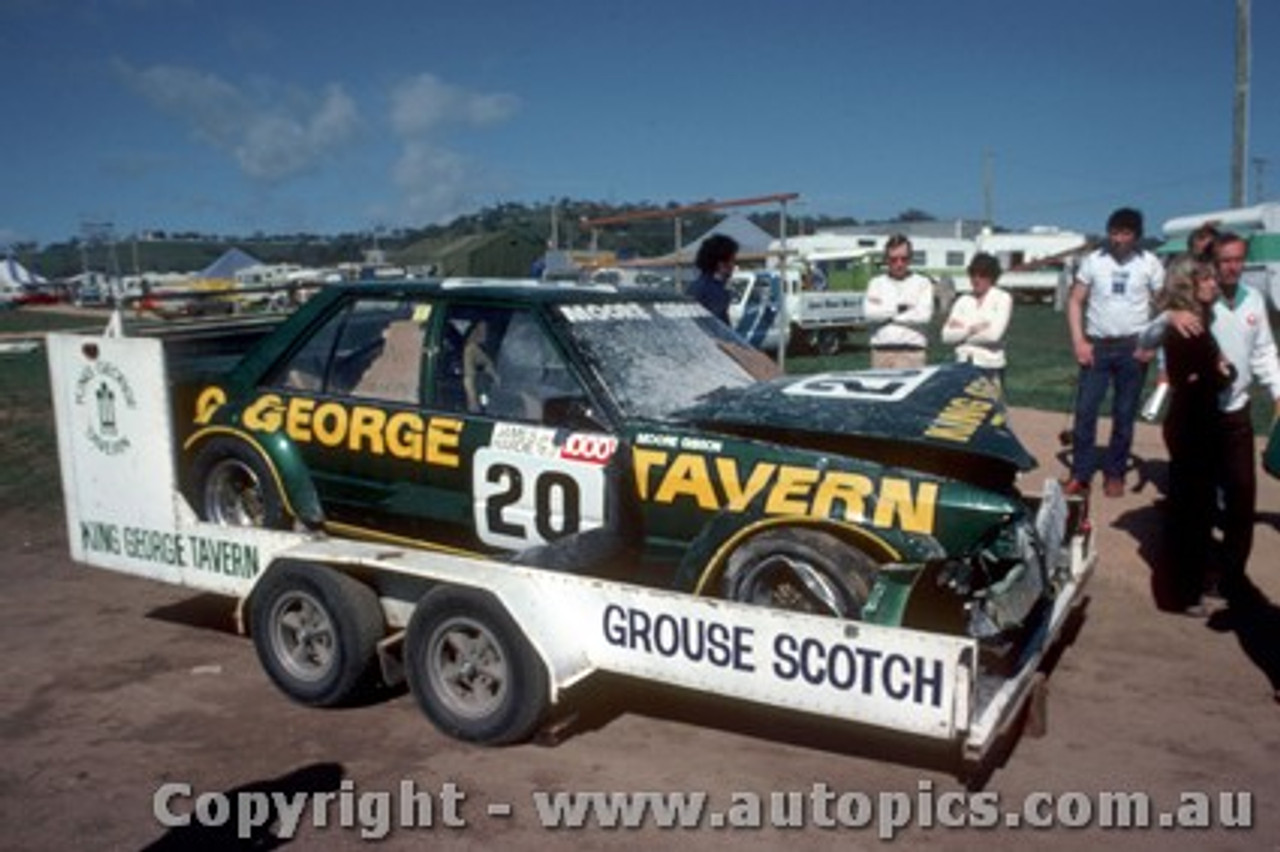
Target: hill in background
point(503, 240)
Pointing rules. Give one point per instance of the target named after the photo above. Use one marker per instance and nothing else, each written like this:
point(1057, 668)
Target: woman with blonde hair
point(1197, 373)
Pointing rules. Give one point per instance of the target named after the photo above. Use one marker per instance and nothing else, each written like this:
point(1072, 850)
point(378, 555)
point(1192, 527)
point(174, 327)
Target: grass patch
point(1041, 372)
point(21, 320)
point(1042, 368)
point(29, 459)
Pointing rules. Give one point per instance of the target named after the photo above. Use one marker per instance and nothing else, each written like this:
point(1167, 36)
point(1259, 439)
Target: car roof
point(499, 290)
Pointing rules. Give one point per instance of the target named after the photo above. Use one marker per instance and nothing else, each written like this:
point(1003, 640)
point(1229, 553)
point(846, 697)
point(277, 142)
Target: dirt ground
point(116, 686)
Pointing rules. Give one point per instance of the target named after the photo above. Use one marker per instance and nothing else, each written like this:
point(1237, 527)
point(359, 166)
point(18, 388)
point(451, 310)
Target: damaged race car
point(630, 435)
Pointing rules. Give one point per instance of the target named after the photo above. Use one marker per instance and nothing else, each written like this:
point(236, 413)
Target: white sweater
point(982, 347)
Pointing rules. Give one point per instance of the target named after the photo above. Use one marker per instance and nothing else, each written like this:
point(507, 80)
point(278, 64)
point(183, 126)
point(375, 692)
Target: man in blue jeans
point(1110, 303)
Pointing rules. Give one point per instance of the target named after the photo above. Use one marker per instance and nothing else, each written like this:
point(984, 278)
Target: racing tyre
point(471, 669)
point(316, 633)
point(232, 486)
point(802, 570)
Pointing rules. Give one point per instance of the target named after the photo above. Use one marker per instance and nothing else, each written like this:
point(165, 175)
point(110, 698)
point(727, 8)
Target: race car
point(627, 434)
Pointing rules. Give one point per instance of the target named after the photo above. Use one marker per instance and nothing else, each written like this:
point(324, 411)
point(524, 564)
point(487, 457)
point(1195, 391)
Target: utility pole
point(1259, 170)
point(1240, 135)
point(988, 188)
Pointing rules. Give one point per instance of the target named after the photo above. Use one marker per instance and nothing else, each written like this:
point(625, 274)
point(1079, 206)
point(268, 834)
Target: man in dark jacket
point(716, 257)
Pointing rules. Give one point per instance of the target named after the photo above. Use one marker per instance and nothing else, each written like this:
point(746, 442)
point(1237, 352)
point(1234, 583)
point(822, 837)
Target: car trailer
point(489, 648)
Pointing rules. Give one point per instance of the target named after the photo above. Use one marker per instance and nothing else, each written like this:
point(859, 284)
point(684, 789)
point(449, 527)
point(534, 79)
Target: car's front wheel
point(800, 569)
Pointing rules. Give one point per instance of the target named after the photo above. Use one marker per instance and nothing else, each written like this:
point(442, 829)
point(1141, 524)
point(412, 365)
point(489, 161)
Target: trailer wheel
point(316, 632)
point(802, 570)
point(233, 486)
point(472, 670)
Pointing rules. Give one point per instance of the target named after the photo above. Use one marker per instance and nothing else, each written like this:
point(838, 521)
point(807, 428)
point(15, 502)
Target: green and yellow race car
point(629, 435)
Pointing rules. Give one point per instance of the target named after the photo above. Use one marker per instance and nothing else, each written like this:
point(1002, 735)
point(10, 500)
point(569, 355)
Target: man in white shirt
point(900, 303)
point(1116, 282)
point(978, 320)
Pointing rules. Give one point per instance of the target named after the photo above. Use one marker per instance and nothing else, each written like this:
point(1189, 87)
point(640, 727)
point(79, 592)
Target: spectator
point(1244, 335)
point(900, 303)
point(1197, 373)
point(1117, 282)
point(1200, 242)
point(978, 320)
point(716, 258)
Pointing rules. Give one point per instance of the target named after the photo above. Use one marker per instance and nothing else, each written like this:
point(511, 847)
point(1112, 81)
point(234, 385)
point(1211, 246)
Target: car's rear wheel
point(802, 570)
point(233, 486)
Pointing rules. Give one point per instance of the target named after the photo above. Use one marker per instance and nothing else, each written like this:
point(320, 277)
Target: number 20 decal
point(521, 500)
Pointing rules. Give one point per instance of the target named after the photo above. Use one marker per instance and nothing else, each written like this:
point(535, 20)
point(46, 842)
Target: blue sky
point(233, 117)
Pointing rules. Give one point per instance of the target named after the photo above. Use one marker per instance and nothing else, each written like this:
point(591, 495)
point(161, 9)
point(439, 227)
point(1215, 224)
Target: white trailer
point(489, 648)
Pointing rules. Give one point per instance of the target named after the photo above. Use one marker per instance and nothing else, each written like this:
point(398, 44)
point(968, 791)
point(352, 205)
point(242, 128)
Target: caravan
point(1037, 263)
point(1259, 224)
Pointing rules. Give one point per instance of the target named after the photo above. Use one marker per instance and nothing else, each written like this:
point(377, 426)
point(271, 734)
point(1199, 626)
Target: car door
point(352, 394)
point(535, 469)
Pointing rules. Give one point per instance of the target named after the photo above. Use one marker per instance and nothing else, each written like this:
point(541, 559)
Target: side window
point(305, 370)
point(373, 350)
point(500, 362)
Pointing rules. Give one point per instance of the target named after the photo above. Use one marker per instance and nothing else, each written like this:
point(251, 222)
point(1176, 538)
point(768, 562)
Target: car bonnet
point(952, 408)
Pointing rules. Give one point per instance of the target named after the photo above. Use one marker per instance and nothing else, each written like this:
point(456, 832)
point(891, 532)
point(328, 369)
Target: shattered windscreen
point(659, 357)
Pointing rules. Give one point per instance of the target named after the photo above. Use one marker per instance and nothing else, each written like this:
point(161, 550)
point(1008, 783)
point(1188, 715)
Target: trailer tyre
point(234, 487)
point(471, 669)
point(800, 569)
point(316, 632)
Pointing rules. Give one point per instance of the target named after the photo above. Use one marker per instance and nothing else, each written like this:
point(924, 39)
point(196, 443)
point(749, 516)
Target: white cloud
point(271, 137)
point(433, 182)
point(436, 183)
point(425, 103)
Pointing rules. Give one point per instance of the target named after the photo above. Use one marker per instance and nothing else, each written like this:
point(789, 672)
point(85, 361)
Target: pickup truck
point(818, 320)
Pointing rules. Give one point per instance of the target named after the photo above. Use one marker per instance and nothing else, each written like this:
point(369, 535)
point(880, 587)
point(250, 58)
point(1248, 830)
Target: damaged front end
point(1002, 592)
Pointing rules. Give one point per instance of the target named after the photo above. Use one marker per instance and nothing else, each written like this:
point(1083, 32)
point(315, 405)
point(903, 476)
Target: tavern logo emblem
point(105, 390)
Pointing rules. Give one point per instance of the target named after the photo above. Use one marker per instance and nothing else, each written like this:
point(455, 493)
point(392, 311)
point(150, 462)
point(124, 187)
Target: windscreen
point(656, 358)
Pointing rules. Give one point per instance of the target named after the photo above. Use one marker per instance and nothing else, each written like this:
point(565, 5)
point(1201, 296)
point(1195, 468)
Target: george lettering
point(154, 546)
point(360, 429)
